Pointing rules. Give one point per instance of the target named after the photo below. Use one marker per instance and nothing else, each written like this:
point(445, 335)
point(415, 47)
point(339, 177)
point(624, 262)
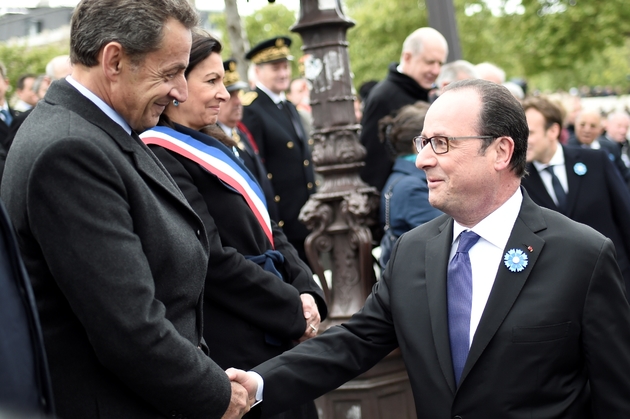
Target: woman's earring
point(175, 102)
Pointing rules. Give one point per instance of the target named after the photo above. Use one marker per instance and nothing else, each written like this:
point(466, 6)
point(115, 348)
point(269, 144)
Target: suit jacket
point(599, 198)
point(553, 341)
point(286, 156)
point(117, 259)
point(4, 129)
point(391, 94)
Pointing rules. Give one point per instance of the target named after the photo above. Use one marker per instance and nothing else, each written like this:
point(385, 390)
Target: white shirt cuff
point(261, 385)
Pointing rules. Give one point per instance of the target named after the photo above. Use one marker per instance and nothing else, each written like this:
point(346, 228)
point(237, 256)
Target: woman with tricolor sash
point(260, 298)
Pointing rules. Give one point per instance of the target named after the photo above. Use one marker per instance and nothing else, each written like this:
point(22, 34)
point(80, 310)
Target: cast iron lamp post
point(341, 212)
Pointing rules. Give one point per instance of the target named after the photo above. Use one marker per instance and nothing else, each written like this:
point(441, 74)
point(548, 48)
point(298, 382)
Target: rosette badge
point(515, 260)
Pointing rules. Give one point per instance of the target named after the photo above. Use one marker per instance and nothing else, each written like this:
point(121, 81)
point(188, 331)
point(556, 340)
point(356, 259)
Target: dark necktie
point(459, 295)
point(297, 124)
point(6, 116)
point(561, 195)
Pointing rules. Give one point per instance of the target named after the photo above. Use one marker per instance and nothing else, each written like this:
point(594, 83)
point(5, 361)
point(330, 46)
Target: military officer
point(281, 138)
point(230, 122)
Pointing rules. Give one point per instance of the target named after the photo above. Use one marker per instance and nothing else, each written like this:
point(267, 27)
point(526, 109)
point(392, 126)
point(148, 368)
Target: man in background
point(617, 125)
point(27, 97)
point(455, 71)
point(423, 54)
point(279, 133)
point(6, 113)
point(588, 129)
point(229, 121)
point(577, 182)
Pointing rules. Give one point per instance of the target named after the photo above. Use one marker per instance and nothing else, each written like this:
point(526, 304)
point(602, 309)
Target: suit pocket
point(540, 333)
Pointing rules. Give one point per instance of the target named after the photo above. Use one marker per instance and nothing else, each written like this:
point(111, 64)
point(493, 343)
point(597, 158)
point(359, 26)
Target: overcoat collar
point(63, 94)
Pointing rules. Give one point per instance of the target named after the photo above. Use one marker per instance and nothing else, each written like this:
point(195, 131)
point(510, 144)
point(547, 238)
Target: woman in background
point(407, 185)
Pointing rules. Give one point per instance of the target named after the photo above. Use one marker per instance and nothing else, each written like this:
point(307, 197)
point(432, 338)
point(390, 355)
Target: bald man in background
point(423, 54)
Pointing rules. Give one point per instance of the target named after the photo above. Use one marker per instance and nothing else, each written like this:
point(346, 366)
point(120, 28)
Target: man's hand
point(311, 314)
point(244, 380)
point(239, 402)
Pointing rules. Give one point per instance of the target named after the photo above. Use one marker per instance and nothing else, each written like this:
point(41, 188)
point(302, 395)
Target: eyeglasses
point(440, 143)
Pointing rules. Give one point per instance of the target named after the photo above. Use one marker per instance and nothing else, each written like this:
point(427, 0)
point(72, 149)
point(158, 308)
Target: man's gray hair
point(136, 24)
point(452, 71)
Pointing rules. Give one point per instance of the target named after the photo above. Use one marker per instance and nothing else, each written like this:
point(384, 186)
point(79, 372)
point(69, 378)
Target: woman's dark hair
point(397, 131)
point(203, 45)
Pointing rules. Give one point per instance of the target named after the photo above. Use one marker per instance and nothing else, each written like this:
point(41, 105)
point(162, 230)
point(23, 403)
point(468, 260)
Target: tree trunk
point(237, 37)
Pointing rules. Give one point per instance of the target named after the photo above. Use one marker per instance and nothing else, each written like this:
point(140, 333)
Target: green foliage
point(552, 43)
point(270, 21)
point(381, 27)
point(23, 59)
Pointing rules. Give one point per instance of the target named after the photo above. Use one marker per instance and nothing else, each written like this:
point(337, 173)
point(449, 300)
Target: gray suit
point(118, 260)
point(553, 341)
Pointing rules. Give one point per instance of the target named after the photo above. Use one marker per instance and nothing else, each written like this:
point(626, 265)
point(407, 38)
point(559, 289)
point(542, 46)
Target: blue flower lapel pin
point(515, 260)
point(580, 169)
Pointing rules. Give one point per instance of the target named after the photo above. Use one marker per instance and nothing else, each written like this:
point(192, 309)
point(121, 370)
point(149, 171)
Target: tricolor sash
point(217, 162)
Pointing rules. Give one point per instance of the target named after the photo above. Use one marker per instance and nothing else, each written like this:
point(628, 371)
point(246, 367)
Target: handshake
point(244, 389)
point(245, 384)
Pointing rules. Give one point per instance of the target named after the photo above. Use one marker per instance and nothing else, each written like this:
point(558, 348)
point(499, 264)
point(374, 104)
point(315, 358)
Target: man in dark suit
point(423, 53)
point(247, 150)
point(116, 255)
point(587, 188)
point(523, 314)
point(588, 129)
point(617, 126)
point(6, 113)
point(282, 141)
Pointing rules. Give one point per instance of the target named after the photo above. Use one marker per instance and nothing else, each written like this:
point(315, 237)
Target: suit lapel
point(436, 262)
point(536, 188)
point(571, 157)
point(149, 167)
point(507, 284)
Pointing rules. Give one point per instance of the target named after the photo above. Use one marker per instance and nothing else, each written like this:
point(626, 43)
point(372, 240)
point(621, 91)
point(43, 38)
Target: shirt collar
point(496, 227)
point(100, 103)
point(556, 160)
point(276, 98)
point(225, 128)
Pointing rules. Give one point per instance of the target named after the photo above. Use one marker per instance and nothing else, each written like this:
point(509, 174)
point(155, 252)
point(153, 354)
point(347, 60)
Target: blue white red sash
point(219, 164)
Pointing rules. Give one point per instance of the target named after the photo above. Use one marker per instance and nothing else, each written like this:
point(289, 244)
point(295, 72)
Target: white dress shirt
point(559, 169)
point(486, 256)
point(276, 98)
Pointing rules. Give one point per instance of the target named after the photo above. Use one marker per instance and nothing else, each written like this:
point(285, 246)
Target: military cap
point(274, 49)
point(231, 80)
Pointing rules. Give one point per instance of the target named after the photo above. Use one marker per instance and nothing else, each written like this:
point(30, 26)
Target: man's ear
point(554, 131)
point(112, 56)
point(406, 57)
point(504, 150)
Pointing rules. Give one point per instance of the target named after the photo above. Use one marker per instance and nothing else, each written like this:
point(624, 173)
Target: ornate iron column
point(342, 210)
point(340, 213)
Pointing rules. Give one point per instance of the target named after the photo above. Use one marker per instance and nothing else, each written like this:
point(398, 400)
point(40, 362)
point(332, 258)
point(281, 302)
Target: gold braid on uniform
point(271, 54)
